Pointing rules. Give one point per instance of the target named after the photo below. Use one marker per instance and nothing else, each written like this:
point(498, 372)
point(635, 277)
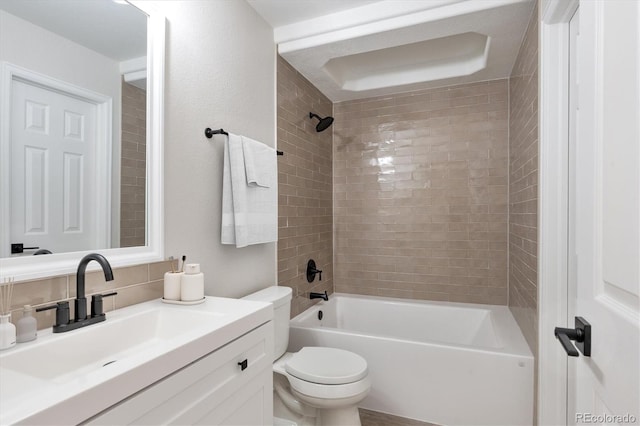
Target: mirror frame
point(33, 267)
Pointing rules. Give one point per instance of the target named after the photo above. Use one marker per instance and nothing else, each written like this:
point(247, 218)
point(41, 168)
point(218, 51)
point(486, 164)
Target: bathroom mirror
point(54, 73)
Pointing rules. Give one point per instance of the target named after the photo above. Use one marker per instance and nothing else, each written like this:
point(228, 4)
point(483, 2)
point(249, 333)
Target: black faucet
point(63, 322)
point(324, 296)
point(81, 301)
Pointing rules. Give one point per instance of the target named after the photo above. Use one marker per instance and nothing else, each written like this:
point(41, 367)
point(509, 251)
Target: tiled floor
point(374, 418)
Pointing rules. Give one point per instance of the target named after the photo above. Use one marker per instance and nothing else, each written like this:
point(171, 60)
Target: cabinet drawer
point(194, 392)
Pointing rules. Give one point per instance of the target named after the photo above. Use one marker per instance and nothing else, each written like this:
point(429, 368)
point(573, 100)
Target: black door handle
point(17, 248)
point(581, 335)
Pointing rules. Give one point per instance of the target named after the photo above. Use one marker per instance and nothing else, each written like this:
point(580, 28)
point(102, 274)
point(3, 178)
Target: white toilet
point(317, 385)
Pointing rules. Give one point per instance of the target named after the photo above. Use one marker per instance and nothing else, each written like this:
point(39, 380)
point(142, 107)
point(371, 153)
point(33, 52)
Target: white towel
point(249, 209)
point(260, 163)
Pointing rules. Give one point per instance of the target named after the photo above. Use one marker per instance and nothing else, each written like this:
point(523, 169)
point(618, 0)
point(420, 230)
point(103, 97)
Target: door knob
point(581, 335)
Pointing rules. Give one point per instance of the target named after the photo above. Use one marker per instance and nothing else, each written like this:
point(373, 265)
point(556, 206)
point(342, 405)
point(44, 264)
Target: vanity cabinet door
point(218, 389)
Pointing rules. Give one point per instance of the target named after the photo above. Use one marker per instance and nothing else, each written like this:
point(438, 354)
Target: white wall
point(27, 45)
point(220, 72)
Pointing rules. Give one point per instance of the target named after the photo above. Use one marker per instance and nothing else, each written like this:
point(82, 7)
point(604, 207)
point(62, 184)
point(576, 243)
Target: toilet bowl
point(316, 385)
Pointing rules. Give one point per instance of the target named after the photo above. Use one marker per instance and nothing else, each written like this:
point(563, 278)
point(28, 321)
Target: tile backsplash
point(421, 194)
point(134, 284)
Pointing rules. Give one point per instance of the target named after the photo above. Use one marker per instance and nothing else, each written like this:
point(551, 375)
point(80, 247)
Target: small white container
point(192, 283)
point(27, 326)
point(7, 332)
point(172, 284)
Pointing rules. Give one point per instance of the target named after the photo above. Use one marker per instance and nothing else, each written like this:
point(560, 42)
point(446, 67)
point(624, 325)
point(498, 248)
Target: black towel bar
point(209, 132)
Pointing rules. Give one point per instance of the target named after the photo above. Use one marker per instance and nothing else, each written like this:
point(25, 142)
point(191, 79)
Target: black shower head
point(323, 123)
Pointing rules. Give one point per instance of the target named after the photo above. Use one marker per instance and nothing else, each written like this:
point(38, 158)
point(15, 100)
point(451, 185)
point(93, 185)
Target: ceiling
point(284, 12)
point(352, 49)
point(116, 30)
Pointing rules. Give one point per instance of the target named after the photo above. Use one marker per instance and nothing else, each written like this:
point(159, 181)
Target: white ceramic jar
point(192, 287)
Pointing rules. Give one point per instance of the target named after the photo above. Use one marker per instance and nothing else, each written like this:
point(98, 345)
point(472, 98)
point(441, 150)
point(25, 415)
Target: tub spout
point(324, 296)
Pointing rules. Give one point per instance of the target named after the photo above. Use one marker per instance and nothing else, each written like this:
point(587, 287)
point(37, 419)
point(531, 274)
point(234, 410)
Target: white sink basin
point(66, 378)
point(95, 347)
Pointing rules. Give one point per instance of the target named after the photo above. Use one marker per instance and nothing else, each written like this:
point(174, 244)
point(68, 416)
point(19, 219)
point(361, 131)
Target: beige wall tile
point(133, 166)
point(122, 277)
point(523, 185)
point(133, 284)
point(39, 292)
point(305, 204)
point(413, 187)
point(158, 269)
point(136, 294)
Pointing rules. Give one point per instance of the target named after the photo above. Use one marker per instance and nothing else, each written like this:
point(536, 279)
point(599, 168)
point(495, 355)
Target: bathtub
point(438, 362)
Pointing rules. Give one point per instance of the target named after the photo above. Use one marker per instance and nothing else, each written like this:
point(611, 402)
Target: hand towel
point(249, 209)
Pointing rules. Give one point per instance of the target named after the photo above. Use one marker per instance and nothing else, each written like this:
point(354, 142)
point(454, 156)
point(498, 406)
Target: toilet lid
point(327, 366)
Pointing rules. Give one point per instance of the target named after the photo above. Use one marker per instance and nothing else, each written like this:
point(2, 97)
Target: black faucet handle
point(62, 312)
point(312, 271)
point(96, 303)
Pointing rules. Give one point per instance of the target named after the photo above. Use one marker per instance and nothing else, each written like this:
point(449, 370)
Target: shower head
point(323, 123)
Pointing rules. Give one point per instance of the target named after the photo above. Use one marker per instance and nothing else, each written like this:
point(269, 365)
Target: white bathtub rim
point(513, 342)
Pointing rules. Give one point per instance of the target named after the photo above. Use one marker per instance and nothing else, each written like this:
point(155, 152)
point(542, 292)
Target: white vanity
point(151, 363)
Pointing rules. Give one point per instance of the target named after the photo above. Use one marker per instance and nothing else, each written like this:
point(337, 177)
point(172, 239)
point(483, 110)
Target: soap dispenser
point(192, 288)
point(27, 326)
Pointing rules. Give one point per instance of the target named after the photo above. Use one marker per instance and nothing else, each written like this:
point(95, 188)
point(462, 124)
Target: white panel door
point(605, 213)
point(53, 159)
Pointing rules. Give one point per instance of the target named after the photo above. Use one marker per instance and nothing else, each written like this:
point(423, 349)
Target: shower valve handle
point(312, 271)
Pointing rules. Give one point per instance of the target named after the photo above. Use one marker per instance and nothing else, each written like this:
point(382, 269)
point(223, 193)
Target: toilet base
point(329, 414)
point(304, 410)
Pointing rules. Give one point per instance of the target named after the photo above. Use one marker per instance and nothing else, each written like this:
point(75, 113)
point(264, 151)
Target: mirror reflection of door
point(99, 46)
point(53, 154)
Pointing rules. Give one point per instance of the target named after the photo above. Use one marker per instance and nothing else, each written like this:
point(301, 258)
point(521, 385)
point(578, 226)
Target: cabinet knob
point(243, 364)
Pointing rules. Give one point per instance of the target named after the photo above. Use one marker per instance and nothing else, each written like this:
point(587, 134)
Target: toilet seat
point(323, 364)
point(326, 366)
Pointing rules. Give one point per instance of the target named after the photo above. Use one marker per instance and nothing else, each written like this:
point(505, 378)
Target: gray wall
point(220, 72)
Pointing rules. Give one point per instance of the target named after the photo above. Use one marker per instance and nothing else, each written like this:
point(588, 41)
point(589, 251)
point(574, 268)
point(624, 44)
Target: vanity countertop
point(66, 378)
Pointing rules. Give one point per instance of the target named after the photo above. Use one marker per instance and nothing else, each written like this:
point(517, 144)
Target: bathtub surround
point(523, 191)
point(523, 186)
point(133, 166)
point(305, 222)
point(134, 284)
point(420, 190)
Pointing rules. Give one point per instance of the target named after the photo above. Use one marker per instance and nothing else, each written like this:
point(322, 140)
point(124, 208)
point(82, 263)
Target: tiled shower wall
point(523, 186)
point(305, 225)
point(133, 166)
point(420, 193)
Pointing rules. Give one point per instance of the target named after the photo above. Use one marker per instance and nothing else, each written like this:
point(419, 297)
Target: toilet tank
point(280, 296)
